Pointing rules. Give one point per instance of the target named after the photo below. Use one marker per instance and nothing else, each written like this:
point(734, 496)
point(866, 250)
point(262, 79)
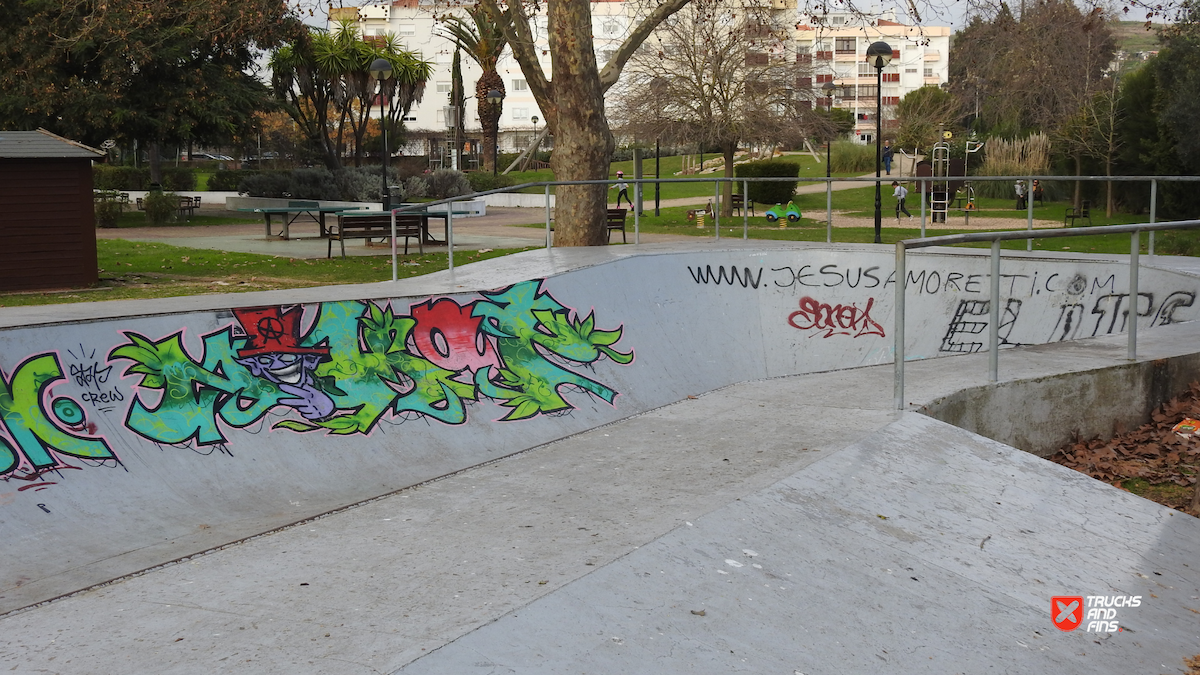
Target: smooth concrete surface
point(365, 590)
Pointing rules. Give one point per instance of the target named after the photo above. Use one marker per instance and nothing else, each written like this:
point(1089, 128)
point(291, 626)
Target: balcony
point(823, 56)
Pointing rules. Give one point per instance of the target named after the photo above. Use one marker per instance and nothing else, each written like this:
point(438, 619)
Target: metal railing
point(995, 238)
point(638, 184)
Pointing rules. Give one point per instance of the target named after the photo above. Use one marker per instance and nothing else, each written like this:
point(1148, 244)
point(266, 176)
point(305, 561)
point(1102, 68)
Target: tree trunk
point(583, 141)
point(1078, 184)
point(1108, 205)
point(155, 155)
point(727, 189)
point(489, 115)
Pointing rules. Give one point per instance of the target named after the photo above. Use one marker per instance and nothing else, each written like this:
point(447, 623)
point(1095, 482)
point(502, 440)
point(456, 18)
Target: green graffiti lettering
point(31, 426)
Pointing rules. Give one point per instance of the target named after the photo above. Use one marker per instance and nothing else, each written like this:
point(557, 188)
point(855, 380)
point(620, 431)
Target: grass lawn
point(135, 218)
point(669, 168)
point(137, 270)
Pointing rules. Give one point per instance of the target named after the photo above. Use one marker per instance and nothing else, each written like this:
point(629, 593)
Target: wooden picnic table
point(294, 210)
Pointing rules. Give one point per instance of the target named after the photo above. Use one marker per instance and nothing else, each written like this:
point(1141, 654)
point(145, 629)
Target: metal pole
point(549, 234)
point(994, 317)
point(637, 211)
point(745, 209)
point(450, 233)
point(1029, 211)
point(394, 265)
point(717, 208)
point(922, 208)
point(828, 210)
point(657, 175)
point(1153, 210)
point(898, 331)
point(878, 141)
point(1134, 248)
point(387, 197)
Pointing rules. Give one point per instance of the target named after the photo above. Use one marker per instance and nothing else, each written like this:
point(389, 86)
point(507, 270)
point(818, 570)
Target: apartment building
point(835, 49)
point(832, 49)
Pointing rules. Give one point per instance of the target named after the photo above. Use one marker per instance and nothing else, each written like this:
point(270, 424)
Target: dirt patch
point(1151, 461)
point(953, 222)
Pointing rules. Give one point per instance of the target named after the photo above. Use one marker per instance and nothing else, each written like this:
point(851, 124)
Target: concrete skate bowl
point(136, 434)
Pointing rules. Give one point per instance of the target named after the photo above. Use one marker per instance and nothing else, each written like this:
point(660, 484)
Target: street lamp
point(879, 54)
point(830, 89)
point(381, 69)
point(495, 97)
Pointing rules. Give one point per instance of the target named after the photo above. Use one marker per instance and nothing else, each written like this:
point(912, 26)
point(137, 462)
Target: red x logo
point(1066, 611)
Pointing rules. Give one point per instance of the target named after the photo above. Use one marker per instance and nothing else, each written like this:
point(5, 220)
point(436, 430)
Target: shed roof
point(42, 144)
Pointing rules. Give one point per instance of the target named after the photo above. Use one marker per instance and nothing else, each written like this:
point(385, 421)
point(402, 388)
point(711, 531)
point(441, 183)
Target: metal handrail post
point(898, 331)
point(1153, 208)
point(1029, 207)
point(637, 210)
point(717, 208)
point(922, 209)
point(1134, 249)
point(828, 211)
point(994, 317)
point(549, 234)
point(450, 233)
point(395, 267)
point(745, 209)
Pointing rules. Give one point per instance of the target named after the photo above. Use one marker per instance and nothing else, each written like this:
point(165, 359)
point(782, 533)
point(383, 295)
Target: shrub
point(445, 183)
point(105, 177)
point(265, 184)
point(178, 179)
point(160, 207)
point(108, 208)
point(773, 192)
point(316, 183)
point(851, 157)
point(227, 181)
point(482, 181)
point(1021, 157)
point(415, 188)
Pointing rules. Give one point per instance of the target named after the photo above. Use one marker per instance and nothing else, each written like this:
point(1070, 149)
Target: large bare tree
point(718, 75)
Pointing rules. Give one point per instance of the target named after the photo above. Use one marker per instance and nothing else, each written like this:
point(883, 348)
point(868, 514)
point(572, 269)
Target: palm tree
point(484, 42)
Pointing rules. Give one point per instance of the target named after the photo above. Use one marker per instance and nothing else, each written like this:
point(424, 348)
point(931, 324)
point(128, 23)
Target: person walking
point(887, 156)
point(900, 193)
point(622, 189)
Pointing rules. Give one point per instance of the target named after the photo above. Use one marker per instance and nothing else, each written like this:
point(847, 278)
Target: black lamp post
point(381, 69)
point(496, 98)
point(879, 54)
point(830, 89)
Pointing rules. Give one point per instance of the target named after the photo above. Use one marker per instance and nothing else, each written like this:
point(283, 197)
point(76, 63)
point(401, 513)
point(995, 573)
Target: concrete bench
point(373, 226)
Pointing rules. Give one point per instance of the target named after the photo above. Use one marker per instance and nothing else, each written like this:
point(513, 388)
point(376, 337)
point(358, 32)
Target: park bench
point(739, 202)
point(1084, 211)
point(188, 206)
point(376, 226)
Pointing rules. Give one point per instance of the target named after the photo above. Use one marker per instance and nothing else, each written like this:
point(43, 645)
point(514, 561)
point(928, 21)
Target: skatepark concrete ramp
point(139, 433)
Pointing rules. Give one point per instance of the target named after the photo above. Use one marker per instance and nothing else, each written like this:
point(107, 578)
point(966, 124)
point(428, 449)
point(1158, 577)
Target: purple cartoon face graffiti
point(274, 353)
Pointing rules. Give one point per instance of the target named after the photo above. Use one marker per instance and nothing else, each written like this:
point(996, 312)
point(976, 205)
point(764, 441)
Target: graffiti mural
point(358, 362)
point(42, 431)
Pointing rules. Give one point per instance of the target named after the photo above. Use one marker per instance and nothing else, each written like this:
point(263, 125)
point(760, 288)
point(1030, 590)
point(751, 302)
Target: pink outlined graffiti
point(835, 319)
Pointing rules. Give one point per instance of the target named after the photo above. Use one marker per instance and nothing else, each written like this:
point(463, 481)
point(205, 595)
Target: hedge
point(774, 192)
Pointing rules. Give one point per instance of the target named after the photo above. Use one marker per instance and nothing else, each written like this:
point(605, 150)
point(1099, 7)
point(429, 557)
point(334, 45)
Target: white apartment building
point(836, 49)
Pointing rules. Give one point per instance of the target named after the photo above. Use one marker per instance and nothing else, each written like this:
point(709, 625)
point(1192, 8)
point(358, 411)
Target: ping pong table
point(288, 214)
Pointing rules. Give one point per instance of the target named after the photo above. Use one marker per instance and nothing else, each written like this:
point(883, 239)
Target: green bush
point(482, 181)
point(774, 192)
point(109, 207)
point(445, 183)
point(315, 183)
point(105, 177)
point(161, 207)
point(227, 181)
point(178, 179)
point(265, 184)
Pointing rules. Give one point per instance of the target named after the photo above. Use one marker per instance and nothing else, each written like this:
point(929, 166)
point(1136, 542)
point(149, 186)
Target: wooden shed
point(47, 219)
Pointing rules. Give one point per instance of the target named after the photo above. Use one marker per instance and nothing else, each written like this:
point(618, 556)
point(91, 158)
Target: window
point(865, 69)
point(929, 72)
point(910, 70)
point(837, 20)
point(844, 45)
point(821, 79)
point(520, 85)
point(891, 77)
point(406, 29)
point(443, 87)
point(410, 118)
point(520, 113)
point(610, 28)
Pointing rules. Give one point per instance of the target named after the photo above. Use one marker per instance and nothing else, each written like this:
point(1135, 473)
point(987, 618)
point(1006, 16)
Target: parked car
point(205, 155)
